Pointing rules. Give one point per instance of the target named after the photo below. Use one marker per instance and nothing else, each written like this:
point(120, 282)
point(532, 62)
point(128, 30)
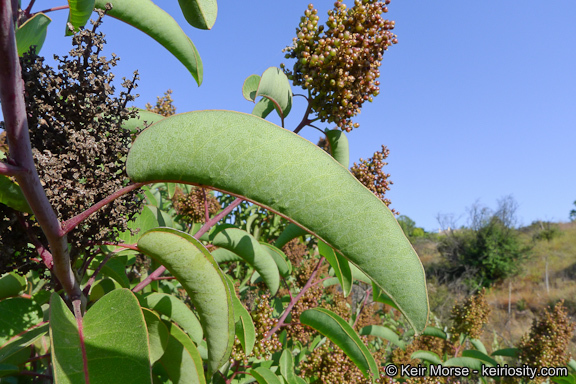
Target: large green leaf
point(152, 20)
point(199, 13)
point(248, 248)
point(343, 335)
point(250, 157)
point(193, 266)
point(78, 14)
point(12, 196)
point(280, 258)
point(32, 32)
point(157, 334)
point(340, 264)
point(115, 338)
point(176, 311)
point(17, 315)
point(264, 375)
point(11, 284)
point(181, 361)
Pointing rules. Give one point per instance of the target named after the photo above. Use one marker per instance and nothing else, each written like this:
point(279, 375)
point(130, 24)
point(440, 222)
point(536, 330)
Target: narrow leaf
point(339, 147)
point(12, 196)
point(280, 258)
point(245, 330)
point(8, 370)
point(291, 231)
point(508, 352)
point(78, 14)
point(176, 311)
point(156, 23)
point(24, 339)
point(341, 333)
point(11, 284)
point(193, 266)
point(480, 356)
point(469, 362)
point(264, 376)
point(479, 345)
point(250, 87)
point(250, 157)
point(383, 333)
point(287, 367)
point(275, 86)
point(199, 13)
point(340, 264)
point(248, 248)
point(222, 255)
point(436, 332)
point(32, 32)
point(427, 356)
point(181, 360)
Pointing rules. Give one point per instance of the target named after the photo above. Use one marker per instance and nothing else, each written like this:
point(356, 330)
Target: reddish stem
point(59, 8)
point(151, 277)
point(77, 305)
point(305, 120)
point(70, 224)
point(10, 170)
point(96, 272)
point(293, 302)
point(40, 249)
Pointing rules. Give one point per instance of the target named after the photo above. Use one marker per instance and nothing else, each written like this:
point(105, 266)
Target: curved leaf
point(250, 87)
point(291, 231)
point(222, 255)
point(32, 32)
point(263, 108)
point(436, 332)
point(508, 352)
point(115, 338)
point(18, 314)
point(469, 362)
point(287, 367)
point(275, 86)
point(479, 345)
point(282, 262)
point(199, 13)
point(427, 356)
point(144, 118)
point(171, 307)
point(22, 340)
point(157, 334)
point(193, 266)
point(245, 330)
point(250, 157)
point(182, 360)
point(383, 333)
point(12, 196)
point(340, 264)
point(341, 333)
point(79, 13)
point(11, 284)
point(264, 375)
point(248, 248)
point(156, 23)
point(479, 356)
point(339, 147)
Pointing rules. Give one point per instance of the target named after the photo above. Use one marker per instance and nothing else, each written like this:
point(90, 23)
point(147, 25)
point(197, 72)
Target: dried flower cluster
point(295, 251)
point(546, 344)
point(191, 206)
point(339, 64)
point(369, 172)
point(264, 346)
point(77, 138)
point(470, 317)
point(164, 105)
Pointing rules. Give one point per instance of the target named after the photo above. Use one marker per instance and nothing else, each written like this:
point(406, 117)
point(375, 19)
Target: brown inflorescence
point(164, 105)
point(369, 172)
point(470, 317)
point(339, 63)
point(295, 251)
point(191, 206)
point(78, 142)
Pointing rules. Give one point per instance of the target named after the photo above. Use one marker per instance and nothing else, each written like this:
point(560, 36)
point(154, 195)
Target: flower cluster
point(469, 317)
point(339, 64)
point(164, 105)
point(369, 172)
point(192, 206)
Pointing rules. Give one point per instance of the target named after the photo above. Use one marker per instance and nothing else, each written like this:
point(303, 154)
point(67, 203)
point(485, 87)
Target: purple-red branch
point(10, 170)
point(77, 305)
point(53, 9)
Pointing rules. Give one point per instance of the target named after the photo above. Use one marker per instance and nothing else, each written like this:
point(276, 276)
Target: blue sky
point(478, 101)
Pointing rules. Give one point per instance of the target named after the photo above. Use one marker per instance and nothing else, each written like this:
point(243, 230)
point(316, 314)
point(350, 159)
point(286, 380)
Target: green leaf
point(479, 346)
point(250, 87)
point(18, 314)
point(144, 118)
point(142, 222)
point(199, 13)
point(115, 338)
point(383, 333)
point(24, 339)
point(156, 23)
point(12, 196)
point(78, 14)
point(11, 284)
point(248, 248)
point(250, 157)
point(378, 295)
point(280, 258)
point(222, 255)
point(275, 86)
point(176, 311)
point(181, 360)
point(116, 270)
point(427, 356)
point(469, 362)
point(340, 264)
point(32, 32)
point(157, 334)
point(264, 376)
point(245, 330)
point(339, 147)
point(263, 108)
point(436, 332)
point(291, 231)
point(287, 367)
point(102, 287)
point(480, 356)
point(572, 364)
point(508, 352)
point(341, 333)
point(8, 370)
point(193, 266)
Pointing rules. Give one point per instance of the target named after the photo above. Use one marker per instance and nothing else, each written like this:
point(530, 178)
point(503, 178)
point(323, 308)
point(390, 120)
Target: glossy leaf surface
point(78, 14)
point(193, 266)
point(32, 32)
point(12, 196)
point(199, 13)
point(156, 23)
point(250, 157)
point(343, 335)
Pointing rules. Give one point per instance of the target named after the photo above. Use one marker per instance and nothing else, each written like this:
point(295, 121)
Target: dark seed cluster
point(191, 206)
point(339, 63)
point(78, 143)
point(369, 172)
